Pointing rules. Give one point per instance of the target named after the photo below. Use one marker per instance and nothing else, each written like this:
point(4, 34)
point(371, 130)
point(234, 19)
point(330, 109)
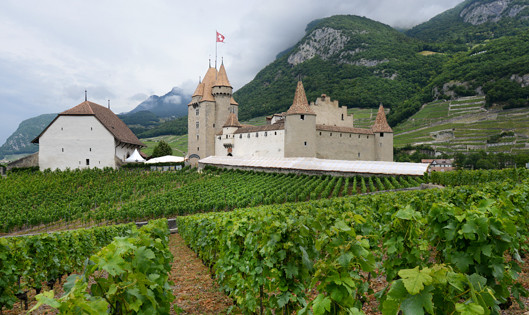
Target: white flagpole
point(216, 43)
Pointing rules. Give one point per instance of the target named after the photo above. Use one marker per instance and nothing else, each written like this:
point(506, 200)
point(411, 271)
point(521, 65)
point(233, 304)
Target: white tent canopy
point(135, 157)
point(166, 159)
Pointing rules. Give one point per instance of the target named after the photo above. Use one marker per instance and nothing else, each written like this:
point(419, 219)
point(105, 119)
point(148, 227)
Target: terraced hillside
point(464, 125)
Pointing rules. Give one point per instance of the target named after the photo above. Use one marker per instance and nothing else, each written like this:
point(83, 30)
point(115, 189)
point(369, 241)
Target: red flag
point(220, 38)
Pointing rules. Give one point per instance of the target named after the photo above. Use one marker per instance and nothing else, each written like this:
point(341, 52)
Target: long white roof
point(314, 164)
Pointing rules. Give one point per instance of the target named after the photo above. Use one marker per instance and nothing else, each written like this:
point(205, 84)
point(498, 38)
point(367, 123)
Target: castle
point(322, 129)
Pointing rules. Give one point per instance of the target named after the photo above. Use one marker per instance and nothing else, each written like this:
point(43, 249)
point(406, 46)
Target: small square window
point(305, 143)
point(302, 117)
point(87, 161)
point(240, 136)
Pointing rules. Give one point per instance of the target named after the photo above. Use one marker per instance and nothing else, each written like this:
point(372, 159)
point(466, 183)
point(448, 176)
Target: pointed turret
point(381, 124)
point(300, 105)
point(232, 121)
point(209, 82)
point(222, 77)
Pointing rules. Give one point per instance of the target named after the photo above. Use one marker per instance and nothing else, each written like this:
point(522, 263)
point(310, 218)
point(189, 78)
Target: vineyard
point(95, 196)
point(456, 250)
point(130, 258)
point(275, 243)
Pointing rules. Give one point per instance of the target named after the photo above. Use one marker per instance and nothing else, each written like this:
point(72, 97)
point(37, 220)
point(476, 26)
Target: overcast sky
point(126, 50)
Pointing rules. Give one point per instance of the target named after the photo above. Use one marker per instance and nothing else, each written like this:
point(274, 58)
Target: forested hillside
point(358, 61)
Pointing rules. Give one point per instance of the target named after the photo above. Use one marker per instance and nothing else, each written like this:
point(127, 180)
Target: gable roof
point(300, 105)
point(381, 124)
point(105, 116)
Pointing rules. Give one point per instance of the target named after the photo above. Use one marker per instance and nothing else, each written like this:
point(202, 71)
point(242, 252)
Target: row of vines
point(455, 250)
point(37, 261)
point(93, 196)
point(128, 276)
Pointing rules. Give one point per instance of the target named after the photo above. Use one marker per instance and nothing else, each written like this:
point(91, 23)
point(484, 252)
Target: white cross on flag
point(220, 38)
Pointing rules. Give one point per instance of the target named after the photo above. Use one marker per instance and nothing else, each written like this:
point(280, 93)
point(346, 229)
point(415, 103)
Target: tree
point(162, 149)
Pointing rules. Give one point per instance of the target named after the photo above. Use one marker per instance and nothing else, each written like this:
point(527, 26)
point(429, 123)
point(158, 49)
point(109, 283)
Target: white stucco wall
point(123, 151)
point(72, 140)
point(250, 145)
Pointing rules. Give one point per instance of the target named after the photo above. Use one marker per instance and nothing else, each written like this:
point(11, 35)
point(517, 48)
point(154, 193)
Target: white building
point(86, 136)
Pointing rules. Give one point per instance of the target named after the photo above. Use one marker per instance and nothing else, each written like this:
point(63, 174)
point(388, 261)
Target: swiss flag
point(220, 38)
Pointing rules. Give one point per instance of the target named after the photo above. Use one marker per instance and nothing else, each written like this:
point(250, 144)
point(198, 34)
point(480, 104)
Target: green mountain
point(355, 60)
point(20, 141)
point(474, 21)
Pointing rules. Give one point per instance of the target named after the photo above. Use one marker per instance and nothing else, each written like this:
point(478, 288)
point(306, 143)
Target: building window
point(358, 136)
point(330, 134)
point(90, 149)
point(248, 135)
point(196, 124)
point(198, 149)
point(320, 133)
point(305, 143)
point(302, 117)
point(87, 161)
point(226, 136)
point(381, 134)
point(350, 135)
point(62, 149)
point(358, 154)
point(340, 135)
point(240, 136)
point(256, 134)
point(213, 125)
point(61, 129)
point(198, 137)
point(380, 143)
point(342, 116)
point(91, 128)
point(266, 133)
point(219, 137)
point(367, 137)
point(275, 133)
point(196, 112)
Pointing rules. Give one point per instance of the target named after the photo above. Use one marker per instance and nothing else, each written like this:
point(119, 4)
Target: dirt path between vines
point(194, 290)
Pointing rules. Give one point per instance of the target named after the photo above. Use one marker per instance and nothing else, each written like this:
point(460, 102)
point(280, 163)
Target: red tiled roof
point(279, 125)
point(232, 121)
point(106, 117)
point(344, 129)
point(222, 77)
point(381, 124)
point(300, 105)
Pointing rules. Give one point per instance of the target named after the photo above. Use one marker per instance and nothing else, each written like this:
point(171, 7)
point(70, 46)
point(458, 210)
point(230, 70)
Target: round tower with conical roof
point(300, 127)
point(383, 137)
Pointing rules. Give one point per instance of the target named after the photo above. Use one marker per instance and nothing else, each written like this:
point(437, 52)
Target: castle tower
point(209, 108)
point(300, 127)
point(383, 137)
